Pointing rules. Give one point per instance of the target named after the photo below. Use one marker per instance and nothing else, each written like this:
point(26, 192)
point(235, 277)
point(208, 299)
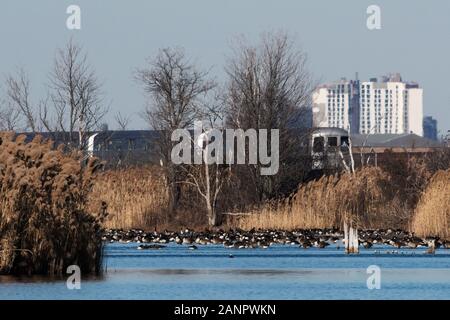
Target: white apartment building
point(386, 106)
point(334, 105)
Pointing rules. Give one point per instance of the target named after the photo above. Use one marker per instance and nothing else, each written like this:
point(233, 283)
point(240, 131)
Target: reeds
point(136, 197)
point(432, 215)
point(366, 197)
point(44, 224)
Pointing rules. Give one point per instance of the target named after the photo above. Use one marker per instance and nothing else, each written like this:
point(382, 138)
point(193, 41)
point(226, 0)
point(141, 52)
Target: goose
point(150, 246)
point(322, 244)
point(367, 244)
point(306, 244)
point(412, 244)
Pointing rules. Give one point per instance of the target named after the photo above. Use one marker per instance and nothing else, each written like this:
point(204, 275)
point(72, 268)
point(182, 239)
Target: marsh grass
point(44, 223)
point(373, 198)
point(432, 215)
point(367, 197)
point(136, 197)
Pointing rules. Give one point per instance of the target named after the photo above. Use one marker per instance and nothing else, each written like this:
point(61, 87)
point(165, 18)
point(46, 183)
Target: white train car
point(327, 144)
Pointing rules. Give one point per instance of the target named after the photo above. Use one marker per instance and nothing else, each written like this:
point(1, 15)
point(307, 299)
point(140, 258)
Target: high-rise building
point(337, 105)
point(370, 107)
point(430, 128)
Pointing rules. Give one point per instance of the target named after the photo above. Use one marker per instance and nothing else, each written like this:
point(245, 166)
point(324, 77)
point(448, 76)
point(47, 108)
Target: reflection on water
point(280, 272)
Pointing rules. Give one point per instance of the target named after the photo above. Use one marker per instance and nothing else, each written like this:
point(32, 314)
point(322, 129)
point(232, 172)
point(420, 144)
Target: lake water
point(279, 272)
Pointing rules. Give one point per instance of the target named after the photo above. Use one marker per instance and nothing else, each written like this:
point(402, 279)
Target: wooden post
point(351, 239)
point(431, 246)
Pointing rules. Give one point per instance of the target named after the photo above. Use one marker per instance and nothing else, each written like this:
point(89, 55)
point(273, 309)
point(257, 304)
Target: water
point(279, 272)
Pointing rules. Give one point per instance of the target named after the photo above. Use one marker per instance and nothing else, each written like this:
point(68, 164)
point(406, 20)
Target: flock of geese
point(240, 239)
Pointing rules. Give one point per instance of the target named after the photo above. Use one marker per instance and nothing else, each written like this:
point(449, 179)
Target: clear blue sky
point(119, 35)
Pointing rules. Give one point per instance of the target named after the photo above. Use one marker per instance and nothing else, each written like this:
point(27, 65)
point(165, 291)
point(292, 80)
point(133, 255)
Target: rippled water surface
point(279, 272)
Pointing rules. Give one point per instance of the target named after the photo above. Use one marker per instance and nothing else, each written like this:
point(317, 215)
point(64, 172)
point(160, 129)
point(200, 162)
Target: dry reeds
point(432, 215)
point(136, 197)
point(44, 224)
point(364, 197)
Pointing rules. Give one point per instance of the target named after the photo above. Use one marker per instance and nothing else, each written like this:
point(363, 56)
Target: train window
point(332, 141)
point(318, 144)
point(344, 141)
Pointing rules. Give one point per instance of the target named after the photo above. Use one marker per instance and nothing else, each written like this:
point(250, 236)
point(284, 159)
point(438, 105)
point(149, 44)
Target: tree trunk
point(213, 216)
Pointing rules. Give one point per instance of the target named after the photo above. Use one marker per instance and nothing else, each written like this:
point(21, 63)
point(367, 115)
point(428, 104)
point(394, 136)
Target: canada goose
point(306, 245)
point(178, 240)
point(412, 244)
point(322, 244)
point(150, 246)
point(367, 244)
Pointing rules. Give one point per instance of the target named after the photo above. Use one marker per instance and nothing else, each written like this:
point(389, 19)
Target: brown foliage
point(432, 215)
point(136, 197)
point(367, 197)
point(44, 224)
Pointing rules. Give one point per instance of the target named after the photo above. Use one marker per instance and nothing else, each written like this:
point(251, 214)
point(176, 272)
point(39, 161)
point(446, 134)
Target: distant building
point(116, 148)
point(430, 128)
point(337, 105)
point(389, 106)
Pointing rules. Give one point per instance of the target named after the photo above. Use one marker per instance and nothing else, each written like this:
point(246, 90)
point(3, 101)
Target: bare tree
point(122, 120)
point(208, 178)
point(76, 96)
point(270, 88)
point(174, 88)
point(9, 117)
point(19, 102)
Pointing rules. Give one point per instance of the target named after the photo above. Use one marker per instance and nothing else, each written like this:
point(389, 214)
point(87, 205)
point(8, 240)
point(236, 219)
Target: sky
point(119, 35)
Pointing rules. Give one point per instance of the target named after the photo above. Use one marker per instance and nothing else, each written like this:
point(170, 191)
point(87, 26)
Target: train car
point(328, 146)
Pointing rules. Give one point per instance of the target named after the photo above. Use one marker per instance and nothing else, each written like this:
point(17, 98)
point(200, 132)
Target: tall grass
point(136, 197)
point(432, 215)
point(367, 197)
point(44, 223)
point(373, 198)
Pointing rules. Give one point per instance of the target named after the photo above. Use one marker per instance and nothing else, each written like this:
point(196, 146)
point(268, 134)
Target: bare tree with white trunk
point(209, 179)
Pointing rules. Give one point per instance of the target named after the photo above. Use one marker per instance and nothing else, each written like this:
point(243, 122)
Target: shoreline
point(304, 238)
